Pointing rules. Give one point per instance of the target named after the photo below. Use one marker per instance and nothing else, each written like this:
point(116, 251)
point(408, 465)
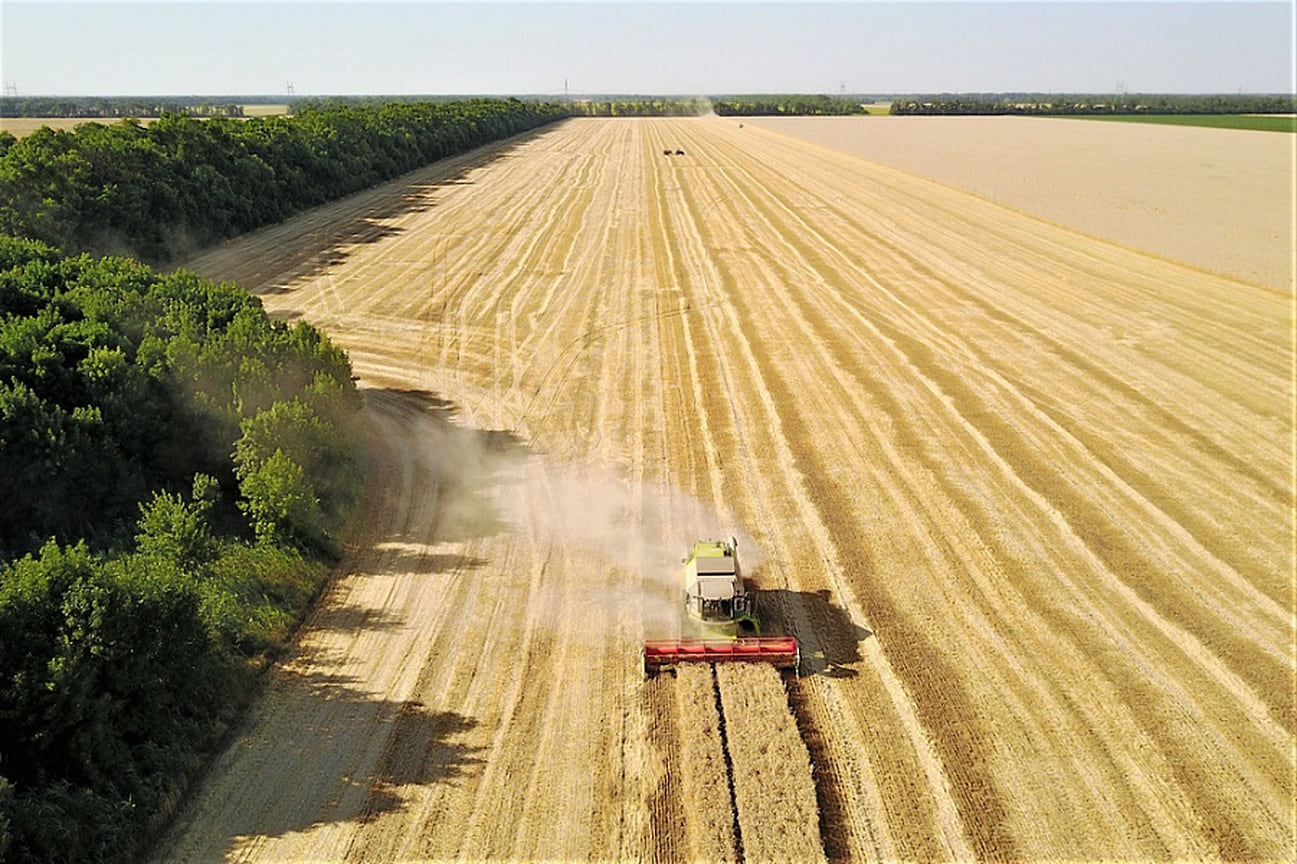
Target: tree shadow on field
point(831, 647)
point(320, 744)
point(352, 617)
point(421, 751)
point(305, 758)
point(332, 232)
point(464, 467)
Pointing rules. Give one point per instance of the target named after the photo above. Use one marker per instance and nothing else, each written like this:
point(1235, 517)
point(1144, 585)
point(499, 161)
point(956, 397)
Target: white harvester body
point(722, 613)
point(716, 597)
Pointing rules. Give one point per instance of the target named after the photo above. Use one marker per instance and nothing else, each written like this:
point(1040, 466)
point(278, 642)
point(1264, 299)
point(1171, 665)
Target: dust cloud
point(627, 534)
point(643, 527)
point(625, 537)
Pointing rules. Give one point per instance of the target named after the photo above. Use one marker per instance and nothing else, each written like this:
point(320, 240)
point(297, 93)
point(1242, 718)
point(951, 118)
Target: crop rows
point(773, 788)
point(1023, 495)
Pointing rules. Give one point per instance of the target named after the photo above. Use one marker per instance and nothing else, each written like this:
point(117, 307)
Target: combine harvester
point(722, 613)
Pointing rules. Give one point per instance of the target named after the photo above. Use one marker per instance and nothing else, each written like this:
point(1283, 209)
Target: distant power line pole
point(565, 99)
point(11, 89)
point(289, 89)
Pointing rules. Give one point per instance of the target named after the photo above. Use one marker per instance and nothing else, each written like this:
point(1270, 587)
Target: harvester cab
point(721, 613)
point(715, 594)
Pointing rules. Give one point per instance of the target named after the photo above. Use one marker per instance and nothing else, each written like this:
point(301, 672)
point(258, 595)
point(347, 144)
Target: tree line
point(158, 191)
point(638, 107)
point(647, 106)
point(798, 105)
point(176, 469)
point(1065, 104)
point(116, 106)
point(176, 466)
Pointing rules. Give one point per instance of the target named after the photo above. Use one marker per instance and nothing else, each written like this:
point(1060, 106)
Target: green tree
point(6, 805)
point(178, 532)
point(120, 653)
point(280, 503)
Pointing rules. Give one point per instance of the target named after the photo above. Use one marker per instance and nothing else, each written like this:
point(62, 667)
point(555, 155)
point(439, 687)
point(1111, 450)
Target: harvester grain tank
point(716, 597)
point(720, 612)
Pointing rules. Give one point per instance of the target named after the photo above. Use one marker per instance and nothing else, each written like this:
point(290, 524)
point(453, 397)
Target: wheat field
point(1023, 493)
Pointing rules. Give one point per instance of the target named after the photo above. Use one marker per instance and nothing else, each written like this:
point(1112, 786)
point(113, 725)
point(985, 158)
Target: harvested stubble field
point(20, 127)
point(1024, 495)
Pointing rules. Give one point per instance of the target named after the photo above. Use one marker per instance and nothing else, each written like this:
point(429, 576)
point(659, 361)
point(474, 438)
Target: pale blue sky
point(228, 48)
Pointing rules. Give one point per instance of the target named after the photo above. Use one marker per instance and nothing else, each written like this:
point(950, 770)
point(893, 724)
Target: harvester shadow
point(370, 218)
point(832, 647)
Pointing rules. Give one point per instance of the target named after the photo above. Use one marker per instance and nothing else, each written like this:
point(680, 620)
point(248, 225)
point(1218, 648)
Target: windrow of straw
point(705, 781)
point(773, 787)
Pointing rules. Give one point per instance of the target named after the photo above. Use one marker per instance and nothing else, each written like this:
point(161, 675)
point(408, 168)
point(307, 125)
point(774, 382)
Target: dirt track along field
point(1023, 495)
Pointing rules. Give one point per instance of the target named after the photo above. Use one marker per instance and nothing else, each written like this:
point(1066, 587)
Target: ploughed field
point(1023, 495)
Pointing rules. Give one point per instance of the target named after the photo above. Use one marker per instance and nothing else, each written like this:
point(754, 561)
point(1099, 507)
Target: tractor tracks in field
point(750, 411)
point(1008, 483)
point(903, 359)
